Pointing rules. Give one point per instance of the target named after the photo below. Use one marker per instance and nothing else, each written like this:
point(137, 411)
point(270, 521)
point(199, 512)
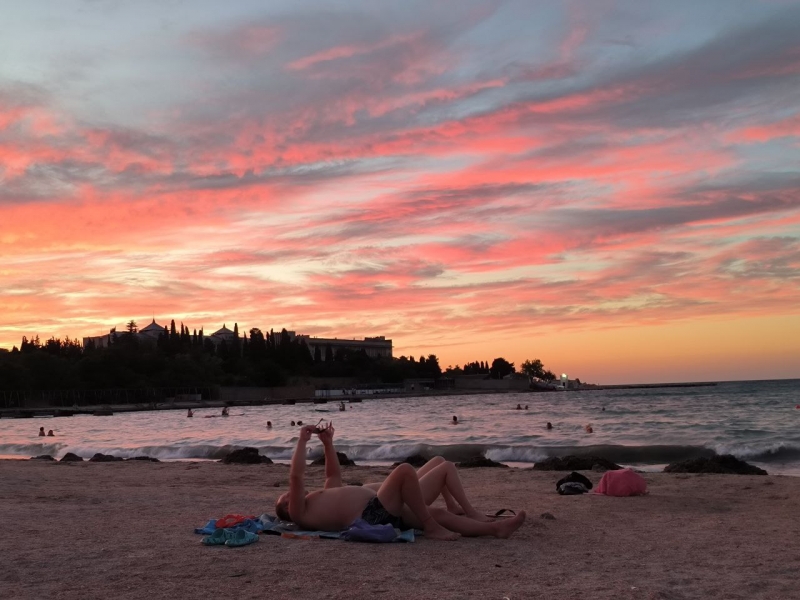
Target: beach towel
point(361, 531)
point(623, 482)
point(271, 525)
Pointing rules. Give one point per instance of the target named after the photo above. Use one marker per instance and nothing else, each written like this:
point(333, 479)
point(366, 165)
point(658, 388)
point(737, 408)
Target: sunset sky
point(610, 186)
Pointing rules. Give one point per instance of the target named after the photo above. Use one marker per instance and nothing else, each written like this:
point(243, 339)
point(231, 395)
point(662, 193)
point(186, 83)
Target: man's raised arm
point(297, 491)
point(333, 474)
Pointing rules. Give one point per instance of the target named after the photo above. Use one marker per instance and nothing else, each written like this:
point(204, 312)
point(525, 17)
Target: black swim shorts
point(375, 514)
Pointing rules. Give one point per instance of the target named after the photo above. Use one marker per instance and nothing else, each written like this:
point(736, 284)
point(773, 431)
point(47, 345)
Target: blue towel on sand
point(359, 531)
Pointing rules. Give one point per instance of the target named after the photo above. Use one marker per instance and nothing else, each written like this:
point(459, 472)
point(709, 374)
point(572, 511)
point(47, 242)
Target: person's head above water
point(292, 423)
point(455, 419)
point(50, 433)
point(549, 425)
point(269, 424)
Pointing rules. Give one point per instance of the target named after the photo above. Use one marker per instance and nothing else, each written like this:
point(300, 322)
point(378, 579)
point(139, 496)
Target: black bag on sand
point(575, 477)
point(571, 488)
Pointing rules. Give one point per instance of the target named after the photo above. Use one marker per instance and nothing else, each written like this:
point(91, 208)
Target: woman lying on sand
point(401, 500)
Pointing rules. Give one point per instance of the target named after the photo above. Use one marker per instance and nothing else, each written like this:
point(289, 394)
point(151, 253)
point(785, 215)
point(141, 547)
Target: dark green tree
point(500, 368)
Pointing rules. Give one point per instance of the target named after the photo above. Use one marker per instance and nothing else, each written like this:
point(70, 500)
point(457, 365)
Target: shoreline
point(692, 537)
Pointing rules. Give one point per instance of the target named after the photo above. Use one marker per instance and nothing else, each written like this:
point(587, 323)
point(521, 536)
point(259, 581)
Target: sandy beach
point(125, 530)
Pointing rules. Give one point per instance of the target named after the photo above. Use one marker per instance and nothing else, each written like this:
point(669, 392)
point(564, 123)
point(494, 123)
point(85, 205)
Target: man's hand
point(306, 431)
point(325, 434)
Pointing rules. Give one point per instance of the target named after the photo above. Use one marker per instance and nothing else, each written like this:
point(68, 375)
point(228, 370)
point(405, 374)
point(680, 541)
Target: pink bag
point(623, 482)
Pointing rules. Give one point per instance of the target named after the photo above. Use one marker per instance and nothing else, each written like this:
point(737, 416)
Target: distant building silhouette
point(375, 347)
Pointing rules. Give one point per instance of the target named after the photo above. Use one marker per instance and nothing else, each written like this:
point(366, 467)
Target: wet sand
point(125, 530)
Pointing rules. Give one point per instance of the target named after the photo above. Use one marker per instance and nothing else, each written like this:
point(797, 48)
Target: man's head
point(282, 507)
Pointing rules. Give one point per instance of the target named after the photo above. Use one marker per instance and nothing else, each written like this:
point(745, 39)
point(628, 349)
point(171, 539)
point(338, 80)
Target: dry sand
point(125, 530)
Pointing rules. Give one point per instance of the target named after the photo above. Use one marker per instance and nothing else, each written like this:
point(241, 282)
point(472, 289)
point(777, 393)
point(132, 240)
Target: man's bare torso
point(335, 508)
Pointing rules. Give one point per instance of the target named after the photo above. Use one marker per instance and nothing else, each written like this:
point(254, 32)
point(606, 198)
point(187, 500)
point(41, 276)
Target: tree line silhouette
point(180, 357)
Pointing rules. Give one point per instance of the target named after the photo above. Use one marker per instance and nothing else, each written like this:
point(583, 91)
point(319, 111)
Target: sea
point(757, 421)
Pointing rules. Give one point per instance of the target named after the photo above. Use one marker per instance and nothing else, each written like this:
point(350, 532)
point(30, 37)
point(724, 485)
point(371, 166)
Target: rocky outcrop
point(415, 460)
point(725, 463)
point(479, 461)
point(343, 460)
point(246, 456)
point(144, 458)
point(100, 457)
point(70, 457)
point(576, 463)
point(42, 457)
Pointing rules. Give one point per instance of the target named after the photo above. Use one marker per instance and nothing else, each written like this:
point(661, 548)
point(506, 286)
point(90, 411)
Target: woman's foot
point(506, 527)
point(480, 517)
point(455, 509)
point(434, 531)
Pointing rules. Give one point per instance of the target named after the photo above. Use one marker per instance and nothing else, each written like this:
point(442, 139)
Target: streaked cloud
point(462, 177)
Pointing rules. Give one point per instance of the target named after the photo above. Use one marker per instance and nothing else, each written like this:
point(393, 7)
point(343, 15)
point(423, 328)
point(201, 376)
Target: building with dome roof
point(146, 335)
point(222, 335)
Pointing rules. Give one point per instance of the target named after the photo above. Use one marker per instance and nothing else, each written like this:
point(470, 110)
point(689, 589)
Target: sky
point(612, 187)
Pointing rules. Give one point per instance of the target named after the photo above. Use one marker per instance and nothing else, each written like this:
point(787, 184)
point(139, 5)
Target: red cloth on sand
point(623, 482)
point(231, 520)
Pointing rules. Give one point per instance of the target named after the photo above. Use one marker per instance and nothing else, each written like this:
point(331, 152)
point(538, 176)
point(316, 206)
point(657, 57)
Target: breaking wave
point(390, 452)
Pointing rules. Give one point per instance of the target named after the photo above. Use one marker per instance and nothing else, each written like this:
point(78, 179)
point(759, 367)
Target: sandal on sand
point(241, 537)
point(218, 538)
point(503, 513)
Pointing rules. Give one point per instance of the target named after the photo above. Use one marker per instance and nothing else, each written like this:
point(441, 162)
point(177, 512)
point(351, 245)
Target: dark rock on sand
point(576, 463)
point(726, 463)
point(343, 460)
point(70, 457)
point(246, 456)
point(479, 461)
point(100, 457)
point(147, 458)
point(42, 457)
point(415, 460)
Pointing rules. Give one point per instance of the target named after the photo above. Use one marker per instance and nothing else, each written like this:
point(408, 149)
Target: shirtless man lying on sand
point(401, 500)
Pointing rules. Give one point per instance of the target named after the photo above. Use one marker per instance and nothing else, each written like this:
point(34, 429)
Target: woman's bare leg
point(472, 528)
point(444, 477)
point(401, 490)
point(451, 503)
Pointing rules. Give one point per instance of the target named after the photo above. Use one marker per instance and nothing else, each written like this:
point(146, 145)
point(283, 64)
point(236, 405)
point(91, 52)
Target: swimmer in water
point(292, 423)
point(455, 420)
point(269, 424)
point(225, 411)
point(549, 425)
point(519, 407)
point(51, 434)
point(41, 431)
point(589, 429)
point(190, 413)
point(299, 423)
